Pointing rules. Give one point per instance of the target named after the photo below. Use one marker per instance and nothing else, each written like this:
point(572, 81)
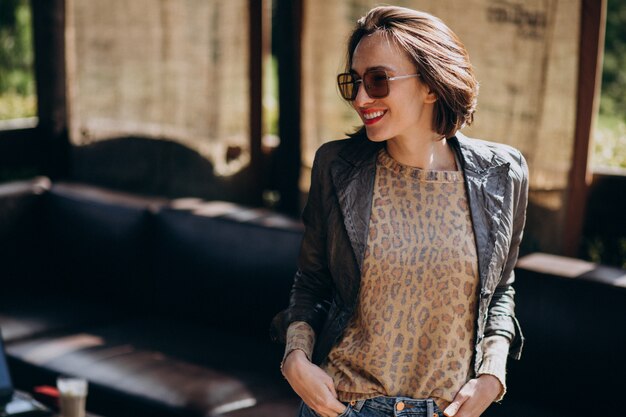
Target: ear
point(430, 98)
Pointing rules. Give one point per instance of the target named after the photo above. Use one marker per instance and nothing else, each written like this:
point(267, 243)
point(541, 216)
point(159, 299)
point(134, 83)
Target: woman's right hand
point(312, 384)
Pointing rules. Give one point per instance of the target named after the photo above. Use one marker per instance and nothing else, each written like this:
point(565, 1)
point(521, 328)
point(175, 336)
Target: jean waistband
point(400, 406)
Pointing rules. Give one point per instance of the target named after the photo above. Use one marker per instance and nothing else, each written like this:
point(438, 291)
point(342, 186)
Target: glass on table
point(72, 396)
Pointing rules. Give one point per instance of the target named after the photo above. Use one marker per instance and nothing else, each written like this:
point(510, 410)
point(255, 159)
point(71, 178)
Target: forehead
point(380, 50)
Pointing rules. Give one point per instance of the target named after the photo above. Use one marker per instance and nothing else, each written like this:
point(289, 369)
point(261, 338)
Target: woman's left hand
point(475, 396)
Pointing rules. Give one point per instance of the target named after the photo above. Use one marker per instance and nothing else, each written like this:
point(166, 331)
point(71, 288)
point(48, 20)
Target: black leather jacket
point(326, 286)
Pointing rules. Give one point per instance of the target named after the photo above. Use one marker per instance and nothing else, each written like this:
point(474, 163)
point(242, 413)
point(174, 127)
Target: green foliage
point(609, 145)
point(16, 106)
point(613, 101)
point(270, 98)
point(606, 250)
point(610, 133)
point(17, 83)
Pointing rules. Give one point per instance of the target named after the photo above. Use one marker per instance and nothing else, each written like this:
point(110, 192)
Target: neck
point(430, 152)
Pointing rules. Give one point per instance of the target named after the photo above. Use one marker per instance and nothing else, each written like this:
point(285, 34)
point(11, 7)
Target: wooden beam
point(49, 47)
point(286, 159)
point(50, 76)
point(257, 163)
point(593, 18)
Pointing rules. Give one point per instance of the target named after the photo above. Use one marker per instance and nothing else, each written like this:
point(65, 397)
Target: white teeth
point(373, 115)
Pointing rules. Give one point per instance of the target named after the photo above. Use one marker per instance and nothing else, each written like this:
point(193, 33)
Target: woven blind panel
point(525, 54)
point(162, 69)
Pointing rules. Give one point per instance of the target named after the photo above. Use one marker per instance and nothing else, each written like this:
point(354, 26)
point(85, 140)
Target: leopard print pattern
point(299, 336)
point(413, 330)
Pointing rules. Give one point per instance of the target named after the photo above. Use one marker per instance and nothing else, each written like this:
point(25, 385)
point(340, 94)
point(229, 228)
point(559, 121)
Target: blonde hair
point(439, 56)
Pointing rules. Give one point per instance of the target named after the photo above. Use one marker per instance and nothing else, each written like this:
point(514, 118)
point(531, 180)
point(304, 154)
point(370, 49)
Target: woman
point(402, 303)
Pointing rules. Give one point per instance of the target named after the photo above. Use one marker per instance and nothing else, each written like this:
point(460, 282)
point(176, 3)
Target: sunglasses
point(375, 82)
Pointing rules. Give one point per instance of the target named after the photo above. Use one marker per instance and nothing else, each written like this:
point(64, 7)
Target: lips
point(371, 117)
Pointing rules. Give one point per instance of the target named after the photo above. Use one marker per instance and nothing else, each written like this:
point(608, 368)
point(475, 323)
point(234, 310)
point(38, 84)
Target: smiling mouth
point(373, 117)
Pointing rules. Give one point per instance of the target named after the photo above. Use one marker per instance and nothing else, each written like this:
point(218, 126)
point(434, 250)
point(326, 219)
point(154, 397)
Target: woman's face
point(407, 112)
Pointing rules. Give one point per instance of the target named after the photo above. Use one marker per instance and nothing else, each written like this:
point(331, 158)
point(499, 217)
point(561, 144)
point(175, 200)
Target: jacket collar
point(485, 180)
point(353, 176)
point(354, 172)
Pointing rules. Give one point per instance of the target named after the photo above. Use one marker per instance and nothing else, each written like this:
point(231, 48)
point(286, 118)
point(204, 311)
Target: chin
point(376, 136)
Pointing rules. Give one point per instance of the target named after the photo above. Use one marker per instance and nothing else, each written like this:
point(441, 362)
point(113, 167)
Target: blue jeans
point(383, 407)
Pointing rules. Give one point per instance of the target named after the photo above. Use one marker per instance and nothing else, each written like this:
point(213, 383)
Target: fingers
point(454, 406)
point(472, 400)
point(331, 387)
point(459, 399)
point(316, 388)
point(329, 407)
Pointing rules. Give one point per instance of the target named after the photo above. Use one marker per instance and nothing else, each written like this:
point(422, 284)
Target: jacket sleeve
point(311, 291)
point(501, 316)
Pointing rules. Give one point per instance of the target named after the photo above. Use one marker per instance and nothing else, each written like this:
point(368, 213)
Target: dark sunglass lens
point(346, 86)
point(376, 84)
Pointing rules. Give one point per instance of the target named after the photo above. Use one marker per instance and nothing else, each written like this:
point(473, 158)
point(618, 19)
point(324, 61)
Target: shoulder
point(330, 150)
point(485, 154)
point(325, 155)
point(354, 150)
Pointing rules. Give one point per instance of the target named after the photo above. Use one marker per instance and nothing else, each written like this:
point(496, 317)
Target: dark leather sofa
point(573, 314)
point(164, 306)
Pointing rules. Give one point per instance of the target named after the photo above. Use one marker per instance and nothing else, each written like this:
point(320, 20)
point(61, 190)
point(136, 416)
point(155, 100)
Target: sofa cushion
point(571, 315)
point(20, 231)
point(98, 243)
point(179, 368)
point(25, 314)
point(280, 407)
point(230, 270)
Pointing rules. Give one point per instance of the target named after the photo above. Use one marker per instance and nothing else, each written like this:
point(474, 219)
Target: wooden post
point(286, 160)
point(257, 162)
point(49, 48)
point(593, 19)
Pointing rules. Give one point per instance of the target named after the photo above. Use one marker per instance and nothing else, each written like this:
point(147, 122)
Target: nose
point(362, 98)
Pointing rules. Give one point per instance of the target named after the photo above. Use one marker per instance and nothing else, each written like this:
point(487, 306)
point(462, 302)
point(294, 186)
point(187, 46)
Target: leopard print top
point(413, 331)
